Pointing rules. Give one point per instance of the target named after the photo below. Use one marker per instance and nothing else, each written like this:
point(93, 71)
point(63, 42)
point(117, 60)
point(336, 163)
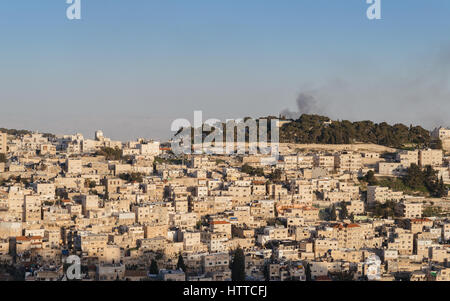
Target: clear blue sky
point(131, 67)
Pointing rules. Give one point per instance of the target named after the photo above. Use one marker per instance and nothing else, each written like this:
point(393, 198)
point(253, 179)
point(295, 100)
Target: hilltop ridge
point(322, 130)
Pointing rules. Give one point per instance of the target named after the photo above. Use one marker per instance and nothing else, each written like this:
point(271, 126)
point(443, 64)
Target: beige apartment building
point(273, 233)
point(110, 272)
point(350, 162)
point(443, 275)
point(4, 248)
point(444, 135)
point(391, 168)
point(191, 241)
point(289, 162)
point(93, 244)
point(221, 226)
point(423, 247)
point(446, 231)
point(183, 220)
point(349, 236)
point(89, 202)
point(403, 242)
point(355, 207)
point(318, 269)
point(9, 229)
point(74, 166)
point(324, 161)
point(408, 157)
point(322, 246)
point(335, 196)
point(152, 244)
point(263, 209)
point(417, 225)
point(305, 213)
point(410, 209)
point(440, 254)
point(216, 242)
point(348, 255)
point(305, 161)
point(32, 209)
point(441, 133)
point(216, 262)
point(382, 194)
point(433, 157)
point(172, 275)
point(3, 143)
point(370, 157)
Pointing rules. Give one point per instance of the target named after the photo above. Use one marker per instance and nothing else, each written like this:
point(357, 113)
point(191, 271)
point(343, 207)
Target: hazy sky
point(132, 67)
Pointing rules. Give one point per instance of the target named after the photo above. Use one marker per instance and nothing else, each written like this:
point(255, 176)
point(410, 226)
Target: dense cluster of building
point(308, 217)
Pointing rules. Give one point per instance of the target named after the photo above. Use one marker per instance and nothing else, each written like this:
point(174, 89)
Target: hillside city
point(134, 211)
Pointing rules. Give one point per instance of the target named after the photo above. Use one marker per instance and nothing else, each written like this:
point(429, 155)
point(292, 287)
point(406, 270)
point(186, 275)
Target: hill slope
point(320, 129)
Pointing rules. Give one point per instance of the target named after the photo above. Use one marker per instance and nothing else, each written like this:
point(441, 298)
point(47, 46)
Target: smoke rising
point(417, 94)
point(306, 104)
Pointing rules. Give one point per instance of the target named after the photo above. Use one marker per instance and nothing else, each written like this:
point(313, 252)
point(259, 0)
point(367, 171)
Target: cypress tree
point(180, 263)
point(238, 265)
point(154, 267)
point(333, 213)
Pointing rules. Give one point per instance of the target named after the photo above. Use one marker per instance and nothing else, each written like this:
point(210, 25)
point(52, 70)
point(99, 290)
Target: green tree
point(266, 271)
point(385, 210)
point(238, 265)
point(430, 179)
point(324, 214)
point(441, 190)
point(414, 177)
point(343, 276)
point(352, 218)
point(308, 272)
point(89, 184)
point(198, 225)
point(154, 267)
point(431, 211)
point(370, 178)
point(275, 209)
point(343, 213)
point(110, 153)
point(132, 177)
point(320, 129)
point(180, 263)
point(275, 176)
point(333, 216)
point(436, 144)
point(252, 171)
